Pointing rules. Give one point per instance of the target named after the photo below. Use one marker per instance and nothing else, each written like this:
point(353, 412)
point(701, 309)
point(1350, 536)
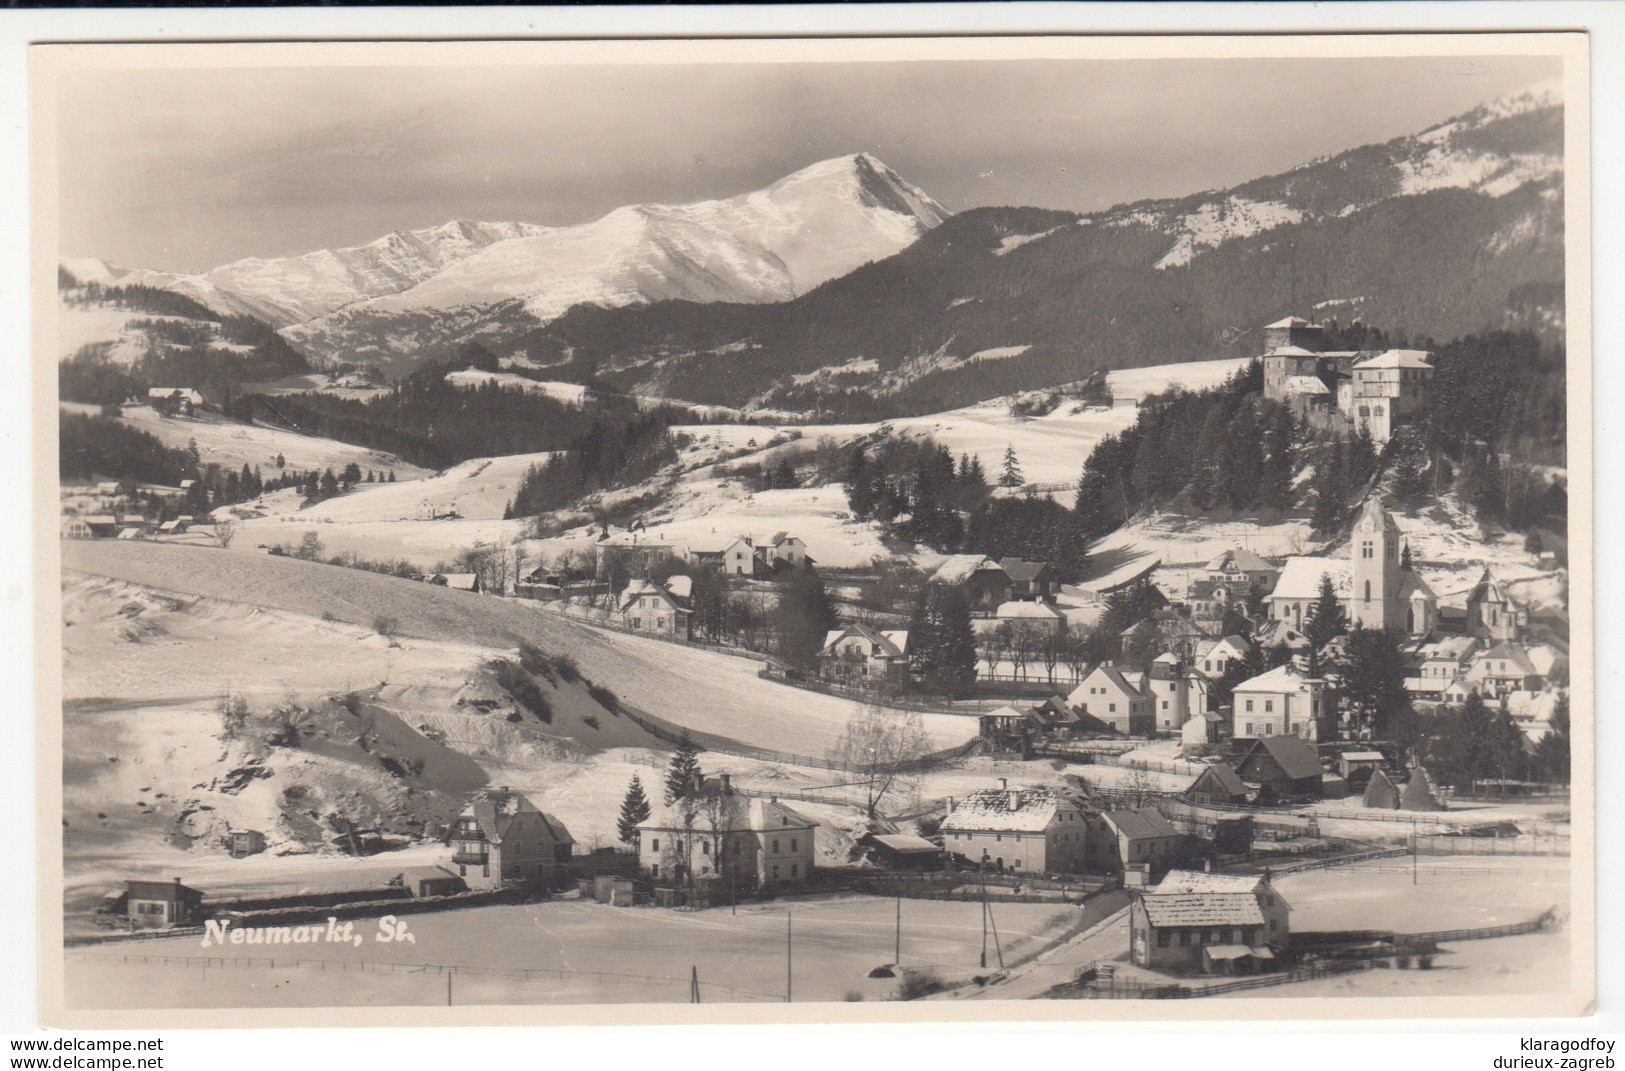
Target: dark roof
point(1295, 755)
point(1140, 824)
point(161, 890)
point(1224, 777)
point(1022, 571)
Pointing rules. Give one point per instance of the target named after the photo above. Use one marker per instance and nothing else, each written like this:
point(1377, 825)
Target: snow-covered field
point(232, 445)
point(837, 940)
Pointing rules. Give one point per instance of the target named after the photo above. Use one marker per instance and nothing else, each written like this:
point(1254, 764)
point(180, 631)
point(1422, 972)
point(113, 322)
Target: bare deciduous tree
point(881, 745)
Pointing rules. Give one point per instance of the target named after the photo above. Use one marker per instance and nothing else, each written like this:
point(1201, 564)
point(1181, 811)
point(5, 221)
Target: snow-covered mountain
point(413, 290)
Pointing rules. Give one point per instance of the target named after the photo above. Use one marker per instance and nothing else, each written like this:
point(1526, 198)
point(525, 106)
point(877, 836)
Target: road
point(1105, 937)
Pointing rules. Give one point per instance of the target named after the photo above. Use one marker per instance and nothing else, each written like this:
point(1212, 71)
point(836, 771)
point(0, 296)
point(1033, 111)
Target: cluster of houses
point(1342, 390)
point(1006, 589)
point(112, 510)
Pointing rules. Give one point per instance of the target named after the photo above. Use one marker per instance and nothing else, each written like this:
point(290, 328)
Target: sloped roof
point(495, 809)
point(1292, 321)
point(681, 585)
point(905, 842)
point(1306, 385)
point(1005, 712)
point(1291, 351)
point(461, 581)
point(1397, 359)
point(1203, 909)
point(1374, 515)
point(958, 568)
point(890, 643)
point(1113, 676)
point(1285, 678)
point(1296, 757)
point(1028, 611)
point(1140, 824)
point(1225, 776)
point(414, 874)
point(1020, 570)
point(1198, 881)
point(1300, 577)
point(1015, 810)
point(1449, 649)
point(734, 813)
point(1242, 560)
point(1508, 652)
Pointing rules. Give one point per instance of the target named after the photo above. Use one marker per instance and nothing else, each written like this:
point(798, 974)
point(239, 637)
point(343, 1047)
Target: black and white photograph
point(1015, 528)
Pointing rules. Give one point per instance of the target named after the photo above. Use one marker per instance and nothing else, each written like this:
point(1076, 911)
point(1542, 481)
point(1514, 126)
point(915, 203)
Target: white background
point(1214, 1046)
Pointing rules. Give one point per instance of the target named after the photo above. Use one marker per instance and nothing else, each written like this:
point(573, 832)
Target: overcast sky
point(183, 170)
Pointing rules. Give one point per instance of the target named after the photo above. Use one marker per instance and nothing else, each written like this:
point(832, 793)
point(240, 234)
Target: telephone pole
point(897, 952)
point(789, 954)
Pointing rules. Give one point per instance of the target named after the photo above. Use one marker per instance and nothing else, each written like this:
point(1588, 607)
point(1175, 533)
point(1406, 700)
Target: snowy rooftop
point(957, 568)
point(1300, 577)
point(1032, 611)
point(1197, 881)
point(1292, 321)
point(1306, 385)
point(1280, 679)
point(1240, 560)
point(1015, 810)
point(1397, 359)
point(1291, 351)
point(1203, 909)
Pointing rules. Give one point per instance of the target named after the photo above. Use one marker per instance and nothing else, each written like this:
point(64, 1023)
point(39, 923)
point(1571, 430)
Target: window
point(775, 849)
point(485, 871)
point(1163, 938)
point(637, 622)
point(1249, 706)
point(1269, 706)
point(795, 871)
point(462, 871)
point(1184, 938)
point(775, 872)
point(654, 845)
point(705, 847)
point(792, 844)
point(1368, 591)
point(1112, 707)
point(654, 870)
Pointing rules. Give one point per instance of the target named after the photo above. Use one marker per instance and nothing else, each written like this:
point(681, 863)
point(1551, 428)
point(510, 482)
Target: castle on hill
point(1342, 390)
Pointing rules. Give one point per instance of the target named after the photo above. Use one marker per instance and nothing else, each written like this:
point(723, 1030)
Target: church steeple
point(1375, 601)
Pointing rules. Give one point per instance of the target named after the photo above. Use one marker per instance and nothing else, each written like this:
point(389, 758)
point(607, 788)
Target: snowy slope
point(232, 445)
point(769, 245)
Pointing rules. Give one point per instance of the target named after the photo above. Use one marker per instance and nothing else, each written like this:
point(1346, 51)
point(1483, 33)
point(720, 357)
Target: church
point(1377, 589)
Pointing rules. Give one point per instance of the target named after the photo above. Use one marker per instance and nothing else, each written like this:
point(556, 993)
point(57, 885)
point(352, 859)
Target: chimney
point(950, 805)
point(727, 785)
point(1004, 783)
point(177, 882)
point(1013, 797)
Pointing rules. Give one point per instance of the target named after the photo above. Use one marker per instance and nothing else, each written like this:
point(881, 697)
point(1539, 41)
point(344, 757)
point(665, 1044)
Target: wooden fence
point(1522, 844)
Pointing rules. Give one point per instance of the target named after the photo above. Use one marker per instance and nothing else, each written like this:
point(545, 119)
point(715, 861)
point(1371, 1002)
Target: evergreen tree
point(634, 809)
point(860, 490)
point(683, 777)
point(391, 475)
point(1552, 754)
point(351, 475)
point(1374, 697)
point(329, 485)
point(1010, 474)
point(955, 662)
point(1326, 620)
point(805, 615)
point(281, 462)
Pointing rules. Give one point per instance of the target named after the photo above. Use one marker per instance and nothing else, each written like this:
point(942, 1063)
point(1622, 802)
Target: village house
point(656, 609)
point(1107, 695)
point(102, 525)
point(1138, 838)
point(1176, 692)
point(1018, 831)
point(185, 400)
point(722, 835)
point(1217, 923)
point(1227, 588)
point(1242, 566)
point(77, 528)
point(1502, 670)
point(1031, 580)
point(1282, 702)
point(751, 556)
point(1215, 657)
point(1043, 614)
point(985, 583)
point(1169, 631)
point(501, 837)
point(862, 655)
point(158, 904)
point(1437, 664)
point(1284, 767)
point(1007, 730)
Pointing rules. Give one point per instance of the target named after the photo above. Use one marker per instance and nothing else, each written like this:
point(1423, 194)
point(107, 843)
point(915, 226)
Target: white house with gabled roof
point(1110, 696)
point(1018, 830)
point(1282, 702)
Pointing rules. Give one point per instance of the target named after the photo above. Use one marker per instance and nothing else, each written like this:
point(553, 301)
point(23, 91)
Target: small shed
point(431, 881)
point(1286, 766)
point(1219, 785)
point(901, 851)
point(246, 842)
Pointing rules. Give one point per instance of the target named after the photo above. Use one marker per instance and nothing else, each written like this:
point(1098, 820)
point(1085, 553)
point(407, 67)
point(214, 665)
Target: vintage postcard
point(1049, 528)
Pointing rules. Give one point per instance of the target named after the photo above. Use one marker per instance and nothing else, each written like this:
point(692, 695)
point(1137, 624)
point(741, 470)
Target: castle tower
point(1375, 601)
